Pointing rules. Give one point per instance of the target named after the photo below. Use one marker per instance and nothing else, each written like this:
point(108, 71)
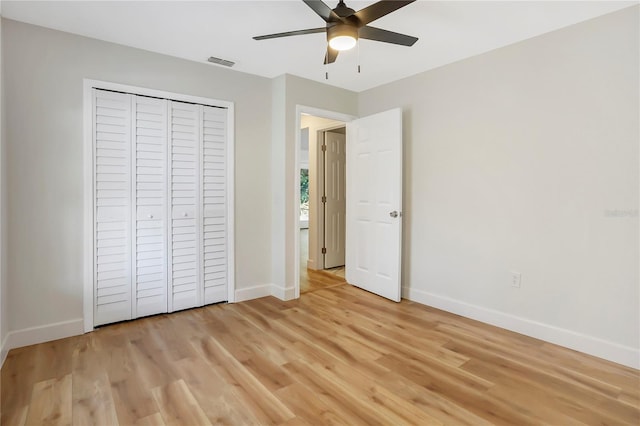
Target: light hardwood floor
point(337, 355)
point(311, 280)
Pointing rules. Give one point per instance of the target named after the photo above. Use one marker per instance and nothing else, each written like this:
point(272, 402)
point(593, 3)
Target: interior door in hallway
point(335, 204)
point(374, 203)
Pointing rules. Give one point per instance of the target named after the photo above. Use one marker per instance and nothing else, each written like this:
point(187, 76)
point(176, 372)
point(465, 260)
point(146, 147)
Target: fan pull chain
point(326, 65)
point(358, 56)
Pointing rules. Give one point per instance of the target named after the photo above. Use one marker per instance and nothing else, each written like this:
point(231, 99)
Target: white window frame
point(88, 147)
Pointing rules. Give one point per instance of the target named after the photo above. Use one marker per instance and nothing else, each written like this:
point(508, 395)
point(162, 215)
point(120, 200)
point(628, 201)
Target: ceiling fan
point(345, 25)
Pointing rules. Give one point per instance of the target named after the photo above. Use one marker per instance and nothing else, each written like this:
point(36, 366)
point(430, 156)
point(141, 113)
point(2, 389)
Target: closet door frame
point(89, 190)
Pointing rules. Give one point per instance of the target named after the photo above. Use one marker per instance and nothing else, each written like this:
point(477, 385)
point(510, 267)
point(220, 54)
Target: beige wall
point(518, 160)
point(43, 82)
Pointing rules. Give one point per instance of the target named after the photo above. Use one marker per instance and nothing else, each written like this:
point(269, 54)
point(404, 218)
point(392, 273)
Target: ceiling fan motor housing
point(341, 29)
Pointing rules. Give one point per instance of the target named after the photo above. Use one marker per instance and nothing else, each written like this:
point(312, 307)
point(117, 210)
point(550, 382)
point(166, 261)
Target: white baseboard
point(4, 350)
point(611, 351)
point(311, 264)
point(41, 334)
point(255, 292)
point(283, 293)
point(263, 290)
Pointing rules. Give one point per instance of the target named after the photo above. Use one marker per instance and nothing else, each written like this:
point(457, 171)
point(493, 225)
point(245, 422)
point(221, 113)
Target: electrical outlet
point(516, 279)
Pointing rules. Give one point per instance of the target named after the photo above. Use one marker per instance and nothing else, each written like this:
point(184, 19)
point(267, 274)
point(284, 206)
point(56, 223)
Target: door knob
point(394, 214)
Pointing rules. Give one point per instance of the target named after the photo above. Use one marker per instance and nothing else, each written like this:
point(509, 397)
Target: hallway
point(312, 280)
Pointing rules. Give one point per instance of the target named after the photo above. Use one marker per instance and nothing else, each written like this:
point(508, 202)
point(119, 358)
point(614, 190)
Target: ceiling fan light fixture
point(342, 36)
point(342, 42)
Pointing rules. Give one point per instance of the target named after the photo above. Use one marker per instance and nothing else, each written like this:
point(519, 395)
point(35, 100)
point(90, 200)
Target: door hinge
point(324, 198)
point(324, 148)
point(324, 250)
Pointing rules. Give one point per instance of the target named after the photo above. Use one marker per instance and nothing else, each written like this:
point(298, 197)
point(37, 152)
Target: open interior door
point(334, 201)
point(374, 203)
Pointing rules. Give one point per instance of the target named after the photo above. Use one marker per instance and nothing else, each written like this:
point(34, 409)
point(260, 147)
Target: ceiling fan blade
point(331, 55)
point(377, 34)
point(322, 10)
point(291, 33)
point(379, 9)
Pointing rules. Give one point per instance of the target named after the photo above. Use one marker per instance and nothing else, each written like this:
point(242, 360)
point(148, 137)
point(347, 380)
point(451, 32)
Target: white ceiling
point(194, 30)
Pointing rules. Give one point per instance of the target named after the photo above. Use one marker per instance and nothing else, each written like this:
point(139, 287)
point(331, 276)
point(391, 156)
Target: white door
point(214, 204)
point(185, 284)
point(150, 196)
point(334, 206)
point(161, 205)
point(112, 204)
point(374, 202)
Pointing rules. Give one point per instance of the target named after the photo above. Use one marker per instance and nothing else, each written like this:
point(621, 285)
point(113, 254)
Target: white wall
point(290, 91)
point(304, 148)
point(518, 160)
point(3, 308)
point(43, 82)
point(278, 153)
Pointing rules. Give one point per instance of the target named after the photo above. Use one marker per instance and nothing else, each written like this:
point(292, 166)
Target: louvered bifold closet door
point(151, 224)
point(214, 204)
point(185, 289)
point(112, 207)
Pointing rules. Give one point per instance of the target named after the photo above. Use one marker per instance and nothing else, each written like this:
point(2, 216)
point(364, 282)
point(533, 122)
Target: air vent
point(219, 61)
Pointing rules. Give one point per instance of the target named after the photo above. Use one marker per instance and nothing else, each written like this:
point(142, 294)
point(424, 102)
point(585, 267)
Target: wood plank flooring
point(312, 280)
point(337, 355)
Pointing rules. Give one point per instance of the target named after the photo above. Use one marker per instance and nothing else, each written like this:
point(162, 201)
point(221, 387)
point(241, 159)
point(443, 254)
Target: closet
point(160, 205)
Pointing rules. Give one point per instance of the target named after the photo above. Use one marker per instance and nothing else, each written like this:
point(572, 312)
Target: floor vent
point(219, 61)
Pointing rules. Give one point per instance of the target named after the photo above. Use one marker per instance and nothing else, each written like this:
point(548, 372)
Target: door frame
point(295, 224)
point(88, 187)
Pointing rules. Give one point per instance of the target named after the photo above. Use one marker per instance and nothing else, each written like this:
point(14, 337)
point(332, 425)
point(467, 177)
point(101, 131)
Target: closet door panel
point(185, 284)
point(214, 204)
point(150, 171)
point(112, 214)
point(160, 206)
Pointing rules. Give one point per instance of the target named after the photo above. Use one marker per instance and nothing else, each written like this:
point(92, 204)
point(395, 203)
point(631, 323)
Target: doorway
point(321, 224)
point(374, 201)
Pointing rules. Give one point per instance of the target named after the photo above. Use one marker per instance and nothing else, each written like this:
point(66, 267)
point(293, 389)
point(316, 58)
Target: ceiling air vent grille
point(219, 61)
